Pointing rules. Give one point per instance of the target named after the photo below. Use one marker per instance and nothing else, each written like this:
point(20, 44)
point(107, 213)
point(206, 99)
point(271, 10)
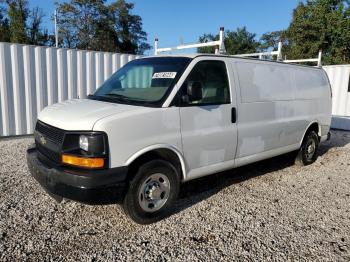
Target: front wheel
point(152, 192)
point(308, 152)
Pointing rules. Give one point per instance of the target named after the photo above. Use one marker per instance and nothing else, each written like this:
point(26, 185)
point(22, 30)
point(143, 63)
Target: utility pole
point(56, 29)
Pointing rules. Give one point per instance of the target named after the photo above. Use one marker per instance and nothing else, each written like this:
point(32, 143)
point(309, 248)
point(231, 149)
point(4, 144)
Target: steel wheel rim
point(154, 192)
point(310, 149)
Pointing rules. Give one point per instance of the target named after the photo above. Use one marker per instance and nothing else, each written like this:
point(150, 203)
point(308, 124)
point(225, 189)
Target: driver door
point(208, 128)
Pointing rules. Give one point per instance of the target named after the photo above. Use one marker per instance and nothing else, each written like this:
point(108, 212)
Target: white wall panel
point(116, 59)
point(90, 73)
point(81, 74)
point(339, 77)
point(29, 85)
point(51, 72)
point(72, 74)
point(99, 59)
point(18, 89)
point(5, 89)
point(107, 66)
point(62, 74)
point(40, 78)
point(32, 77)
point(123, 59)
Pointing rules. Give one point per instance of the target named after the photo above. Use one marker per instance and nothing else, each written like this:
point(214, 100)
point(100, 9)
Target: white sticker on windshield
point(164, 75)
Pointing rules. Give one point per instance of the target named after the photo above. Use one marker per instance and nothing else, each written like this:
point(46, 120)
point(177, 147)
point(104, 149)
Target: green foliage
point(269, 40)
point(18, 14)
point(111, 26)
point(37, 36)
point(236, 42)
point(241, 41)
point(320, 24)
point(19, 24)
point(204, 39)
point(95, 25)
point(129, 28)
point(4, 24)
point(78, 21)
point(83, 24)
point(315, 25)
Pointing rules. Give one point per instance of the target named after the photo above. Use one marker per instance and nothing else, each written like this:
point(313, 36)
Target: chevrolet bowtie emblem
point(42, 140)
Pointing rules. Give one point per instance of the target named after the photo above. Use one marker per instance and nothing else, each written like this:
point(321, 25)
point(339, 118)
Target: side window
point(213, 77)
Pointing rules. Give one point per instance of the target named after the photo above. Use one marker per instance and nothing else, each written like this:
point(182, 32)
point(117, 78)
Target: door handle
point(233, 115)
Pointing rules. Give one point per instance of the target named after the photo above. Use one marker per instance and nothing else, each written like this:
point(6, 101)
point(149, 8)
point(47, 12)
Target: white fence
point(339, 76)
point(32, 77)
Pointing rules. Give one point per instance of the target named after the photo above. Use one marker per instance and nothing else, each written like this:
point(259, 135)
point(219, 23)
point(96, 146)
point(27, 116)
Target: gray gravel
point(269, 210)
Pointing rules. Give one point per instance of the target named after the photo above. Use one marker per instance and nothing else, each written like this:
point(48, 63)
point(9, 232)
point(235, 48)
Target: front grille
point(50, 154)
point(53, 140)
point(56, 135)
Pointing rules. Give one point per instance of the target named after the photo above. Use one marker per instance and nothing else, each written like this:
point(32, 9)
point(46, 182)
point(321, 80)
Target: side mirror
point(194, 91)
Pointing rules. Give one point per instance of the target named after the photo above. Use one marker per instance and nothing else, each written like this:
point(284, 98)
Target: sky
point(173, 21)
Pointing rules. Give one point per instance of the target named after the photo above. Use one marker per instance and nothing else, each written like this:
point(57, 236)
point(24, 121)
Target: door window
point(213, 77)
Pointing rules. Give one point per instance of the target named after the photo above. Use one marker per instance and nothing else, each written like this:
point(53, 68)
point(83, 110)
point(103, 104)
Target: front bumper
point(90, 186)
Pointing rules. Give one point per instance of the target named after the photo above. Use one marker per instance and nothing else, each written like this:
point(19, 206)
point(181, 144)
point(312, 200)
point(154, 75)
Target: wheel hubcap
point(154, 192)
point(310, 149)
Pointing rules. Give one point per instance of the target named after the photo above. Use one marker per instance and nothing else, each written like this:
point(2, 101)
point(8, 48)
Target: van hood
point(80, 114)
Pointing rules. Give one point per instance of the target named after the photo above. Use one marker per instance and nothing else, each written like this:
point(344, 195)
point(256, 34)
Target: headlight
point(87, 149)
point(84, 143)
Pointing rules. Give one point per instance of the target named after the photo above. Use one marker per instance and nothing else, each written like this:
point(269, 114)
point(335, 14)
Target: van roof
point(192, 56)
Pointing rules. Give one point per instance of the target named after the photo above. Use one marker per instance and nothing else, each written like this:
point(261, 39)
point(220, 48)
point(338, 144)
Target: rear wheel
point(152, 192)
point(308, 152)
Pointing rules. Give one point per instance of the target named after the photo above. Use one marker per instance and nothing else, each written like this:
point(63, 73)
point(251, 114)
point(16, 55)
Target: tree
point(22, 25)
point(18, 14)
point(95, 25)
point(129, 27)
point(320, 24)
point(269, 40)
point(236, 42)
point(106, 34)
point(78, 21)
point(4, 24)
point(204, 39)
point(37, 36)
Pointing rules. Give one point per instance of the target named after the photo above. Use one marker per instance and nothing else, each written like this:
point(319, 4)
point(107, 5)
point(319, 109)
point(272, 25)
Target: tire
point(308, 151)
point(152, 192)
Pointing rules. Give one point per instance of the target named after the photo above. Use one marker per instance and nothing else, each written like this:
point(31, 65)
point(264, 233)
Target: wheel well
point(313, 127)
point(161, 153)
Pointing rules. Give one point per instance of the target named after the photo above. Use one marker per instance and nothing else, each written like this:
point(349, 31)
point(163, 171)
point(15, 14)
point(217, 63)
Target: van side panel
point(312, 100)
point(266, 107)
point(277, 103)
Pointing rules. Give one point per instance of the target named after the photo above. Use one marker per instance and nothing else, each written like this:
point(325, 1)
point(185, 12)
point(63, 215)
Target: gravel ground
point(269, 210)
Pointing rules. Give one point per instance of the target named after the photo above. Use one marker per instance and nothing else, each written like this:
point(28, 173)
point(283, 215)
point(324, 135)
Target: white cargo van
point(160, 121)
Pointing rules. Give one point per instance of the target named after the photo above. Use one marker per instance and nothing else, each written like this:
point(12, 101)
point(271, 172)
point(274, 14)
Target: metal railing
point(221, 50)
point(219, 44)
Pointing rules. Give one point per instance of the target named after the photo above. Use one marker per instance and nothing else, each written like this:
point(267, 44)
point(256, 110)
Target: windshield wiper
point(118, 96)
point(123, 97)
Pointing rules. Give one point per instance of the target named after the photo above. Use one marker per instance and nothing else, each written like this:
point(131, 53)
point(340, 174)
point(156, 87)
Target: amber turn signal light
point(83, 161)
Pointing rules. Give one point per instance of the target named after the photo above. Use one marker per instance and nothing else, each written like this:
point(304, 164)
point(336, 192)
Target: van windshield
point(145, 81)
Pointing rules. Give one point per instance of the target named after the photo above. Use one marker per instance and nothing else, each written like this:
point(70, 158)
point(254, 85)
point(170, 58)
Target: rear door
point(209, 132)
